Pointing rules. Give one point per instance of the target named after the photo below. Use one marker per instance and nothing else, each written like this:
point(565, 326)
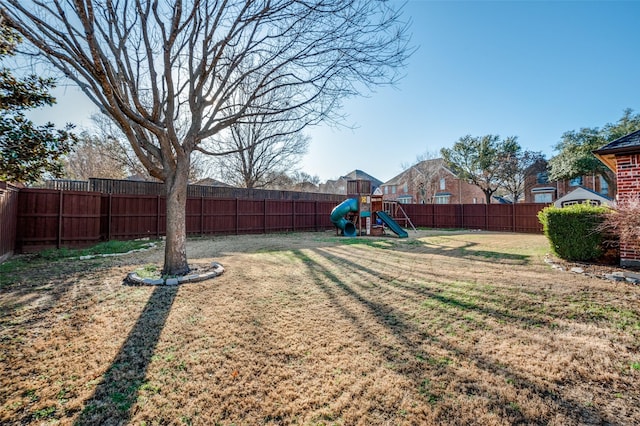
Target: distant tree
point(478, 160)
point(165, 72)
point(96, 157)
point(423, 173)
point(575, 157)
point(27, 152)
point(516, 165)
point(119, 148)
point(295, 181)
point(256, 151)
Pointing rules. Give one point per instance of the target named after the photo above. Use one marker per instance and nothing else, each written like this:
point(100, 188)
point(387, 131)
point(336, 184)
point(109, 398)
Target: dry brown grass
point(311, 329)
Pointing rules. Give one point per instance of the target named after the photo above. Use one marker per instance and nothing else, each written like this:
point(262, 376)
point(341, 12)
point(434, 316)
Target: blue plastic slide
point(340, 211)
point(392, 224)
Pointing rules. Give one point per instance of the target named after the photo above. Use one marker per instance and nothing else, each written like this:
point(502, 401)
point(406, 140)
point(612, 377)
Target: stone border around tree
point(134, 279)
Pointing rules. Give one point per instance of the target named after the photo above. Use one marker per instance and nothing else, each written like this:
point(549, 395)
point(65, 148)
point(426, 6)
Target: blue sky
point(530, 69)
point(533, 69)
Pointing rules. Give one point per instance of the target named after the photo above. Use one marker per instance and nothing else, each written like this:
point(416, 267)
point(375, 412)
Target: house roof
point(359, 174)
point(211, 182)
point(582, 194)
point(628, 144)
point(422, 165)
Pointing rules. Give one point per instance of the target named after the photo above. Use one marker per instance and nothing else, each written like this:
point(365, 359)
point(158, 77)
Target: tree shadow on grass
point(465, 251)
point(482, 306)
point(115, 395)
point(410, 338)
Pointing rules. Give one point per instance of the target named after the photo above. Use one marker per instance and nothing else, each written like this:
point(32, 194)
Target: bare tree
point(423, 174)
point(261, 150)
point(516, 165)
point(93, 156)
point(165, 72)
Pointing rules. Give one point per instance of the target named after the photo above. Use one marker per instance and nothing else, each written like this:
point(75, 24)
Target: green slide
point(392, 224)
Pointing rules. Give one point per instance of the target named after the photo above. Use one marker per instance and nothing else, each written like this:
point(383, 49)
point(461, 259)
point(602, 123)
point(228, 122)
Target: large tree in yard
point(479, 161)
point(168, 72)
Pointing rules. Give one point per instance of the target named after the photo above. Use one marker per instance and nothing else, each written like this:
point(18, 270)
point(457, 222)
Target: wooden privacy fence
point(489, 217)
point(8, 219)
point(49, 218)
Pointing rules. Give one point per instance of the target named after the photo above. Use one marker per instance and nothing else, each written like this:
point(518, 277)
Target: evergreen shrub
point(575, 232)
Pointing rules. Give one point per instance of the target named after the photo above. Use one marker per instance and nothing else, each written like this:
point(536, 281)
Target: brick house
point(430, 182)
point(622, 156)
point(539, 189)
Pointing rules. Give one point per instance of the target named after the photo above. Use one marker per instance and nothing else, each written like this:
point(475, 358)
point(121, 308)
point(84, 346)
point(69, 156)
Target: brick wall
point(407, 187)
point(628, 176)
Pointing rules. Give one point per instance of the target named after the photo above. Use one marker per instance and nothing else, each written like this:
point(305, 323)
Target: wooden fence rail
point(46, 218)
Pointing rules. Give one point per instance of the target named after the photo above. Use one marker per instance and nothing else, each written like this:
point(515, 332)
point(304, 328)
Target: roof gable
point(582, 194)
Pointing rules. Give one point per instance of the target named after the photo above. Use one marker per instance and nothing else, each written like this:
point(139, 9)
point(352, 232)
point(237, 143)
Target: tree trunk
point(175, 251)
point(487, 195)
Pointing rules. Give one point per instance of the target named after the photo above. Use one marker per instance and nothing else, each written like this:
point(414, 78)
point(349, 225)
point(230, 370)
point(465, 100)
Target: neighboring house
point(211, 182)
point(583, 195)
point(622, 156)
point(339, 186)
point(430, 182)
point(539, 189)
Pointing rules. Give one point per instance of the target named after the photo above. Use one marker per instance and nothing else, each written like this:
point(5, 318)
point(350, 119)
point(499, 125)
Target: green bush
point(574, 231)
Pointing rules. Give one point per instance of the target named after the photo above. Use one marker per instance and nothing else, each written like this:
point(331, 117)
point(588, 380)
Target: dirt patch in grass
point(310, 329)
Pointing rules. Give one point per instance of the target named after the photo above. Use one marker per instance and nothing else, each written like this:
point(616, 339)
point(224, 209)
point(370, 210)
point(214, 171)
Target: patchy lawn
point(312, 329)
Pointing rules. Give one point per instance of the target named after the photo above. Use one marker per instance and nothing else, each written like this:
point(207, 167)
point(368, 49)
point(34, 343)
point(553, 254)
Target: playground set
point(364, 213)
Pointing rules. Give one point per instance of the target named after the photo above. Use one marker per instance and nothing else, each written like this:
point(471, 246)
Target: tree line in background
point(261, 153)
point(501, 166)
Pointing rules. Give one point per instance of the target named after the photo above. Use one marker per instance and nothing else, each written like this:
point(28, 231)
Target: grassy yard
point(313, 329)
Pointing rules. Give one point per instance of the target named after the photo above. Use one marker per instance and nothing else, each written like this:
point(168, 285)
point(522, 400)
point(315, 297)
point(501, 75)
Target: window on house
point(406, 188)
point(604, 187)
point(475, 200)
point(576, 181)
point(441, 199)
point(542, 177)
point(546, 197)
point(443, 185)
point(386, 189)
point(393, 189)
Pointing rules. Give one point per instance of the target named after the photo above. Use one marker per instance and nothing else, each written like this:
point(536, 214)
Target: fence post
point(59, 240)
point(293, 215)
point(315, 215)
point(237, 217)
point(201, 215)
point(109, 219)
point(264, 216)
point(157, 217)
point(486, 216)
point(513, 216)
